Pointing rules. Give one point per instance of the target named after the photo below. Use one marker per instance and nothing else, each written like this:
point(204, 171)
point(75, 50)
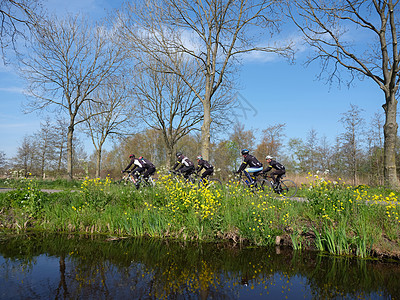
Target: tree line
point(174, 64)
point(355, 155)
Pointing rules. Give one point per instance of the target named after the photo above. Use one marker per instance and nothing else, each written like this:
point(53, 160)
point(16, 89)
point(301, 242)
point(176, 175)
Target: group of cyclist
point(186, 167)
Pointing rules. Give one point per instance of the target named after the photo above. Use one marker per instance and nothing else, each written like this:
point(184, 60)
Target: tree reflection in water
point(94, 267)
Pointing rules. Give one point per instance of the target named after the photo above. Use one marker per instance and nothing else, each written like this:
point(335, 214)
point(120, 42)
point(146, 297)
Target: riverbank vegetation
point(329, 216)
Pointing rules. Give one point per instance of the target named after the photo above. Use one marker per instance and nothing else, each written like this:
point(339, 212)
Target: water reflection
point(79, 267)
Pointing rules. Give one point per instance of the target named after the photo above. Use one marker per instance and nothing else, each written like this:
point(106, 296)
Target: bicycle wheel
point(211, 182)
point(215, 182)
point(151, 182)
point(289, 188)
point(124, 181)
point(121, 181)
point(266, 186)
point(190, 180)
point(147, 182)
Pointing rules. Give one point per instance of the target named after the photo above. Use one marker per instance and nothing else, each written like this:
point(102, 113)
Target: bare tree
point(351, 139)
point(240, 139)
point(15, 17)
point(324, 155)
point(311, 149)
point(326, 27)
point(297, 153)
point(167, 104)
point(271, 141)
point(375, 148)
point(67, 62)
point(212, 33)
point(44, 139)
point(3, 160)
point(26, 156)
point(60, 143)
point(225, 157)
point(107, 116)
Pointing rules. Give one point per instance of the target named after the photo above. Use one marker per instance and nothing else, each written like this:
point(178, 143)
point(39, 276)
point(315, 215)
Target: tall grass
point(342, 219)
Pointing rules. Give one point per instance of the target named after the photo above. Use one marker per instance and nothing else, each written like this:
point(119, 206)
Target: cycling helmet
point(268, 157)
point(199, 157)
point(245, 152)
point(132, 156)
point(178, 154)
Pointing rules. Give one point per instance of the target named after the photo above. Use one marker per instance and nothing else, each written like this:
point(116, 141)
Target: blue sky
point(279, 93)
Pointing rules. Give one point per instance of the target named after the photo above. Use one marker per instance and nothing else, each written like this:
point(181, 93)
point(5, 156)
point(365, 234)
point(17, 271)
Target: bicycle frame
point(243, 180)
point(285, 187)
point(126, 178)
point(208, 180)
point(140, 180)
point(180, 176)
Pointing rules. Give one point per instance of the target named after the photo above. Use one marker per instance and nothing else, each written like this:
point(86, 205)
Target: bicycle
point(207, 182)
point(136, 179)
point(179, 176)
point(144, 182)
point(286, 187)
point(257, 184)
point(127, 178)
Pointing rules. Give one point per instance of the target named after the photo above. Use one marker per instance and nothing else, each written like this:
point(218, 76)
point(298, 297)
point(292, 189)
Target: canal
point(61, 266)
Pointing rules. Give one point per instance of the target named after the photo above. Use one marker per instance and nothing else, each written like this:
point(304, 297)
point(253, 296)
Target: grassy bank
point(337, 218)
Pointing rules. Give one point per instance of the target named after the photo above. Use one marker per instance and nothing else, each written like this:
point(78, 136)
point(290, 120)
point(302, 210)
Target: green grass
point(343, 220)
point(57, 184)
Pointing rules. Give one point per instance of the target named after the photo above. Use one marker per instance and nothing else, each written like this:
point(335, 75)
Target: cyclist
point(203, 164)
point(148, 168)
point(250, 164)
point(186, 166)
point(279, 169)
point(140, 165)
point(134, 161)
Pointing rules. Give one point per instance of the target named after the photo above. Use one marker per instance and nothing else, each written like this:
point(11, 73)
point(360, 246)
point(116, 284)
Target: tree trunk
point(98, 164)
point(170, 157)
point(206, 127)
point(60, 159)
point(390, 137)
point(42, 165)
point(69, 151)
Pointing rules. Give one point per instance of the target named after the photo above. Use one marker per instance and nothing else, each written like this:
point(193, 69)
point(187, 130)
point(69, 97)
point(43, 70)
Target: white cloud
point(296, 42)
point(12, 89)
point(17, 125)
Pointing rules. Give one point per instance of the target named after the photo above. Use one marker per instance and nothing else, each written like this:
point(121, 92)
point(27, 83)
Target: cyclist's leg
point(274, 179)
point(246, 173)
point(186, 171)
point(189, 171)
point(181, 171)
point(279, 176)
point(136, 172)
point(205, 176)
point(150, 171)
point(251, 170)
point(207, 173)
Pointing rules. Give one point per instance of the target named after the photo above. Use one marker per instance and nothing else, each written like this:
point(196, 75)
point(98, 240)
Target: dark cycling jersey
point(186, 162)
point(134, 161)
point(203, 164)
point(274, 165)
point(250, 162)
point(146, 163)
